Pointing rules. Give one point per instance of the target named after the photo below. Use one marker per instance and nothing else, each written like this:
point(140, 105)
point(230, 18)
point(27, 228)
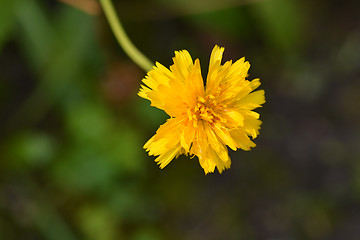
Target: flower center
point(206, 109)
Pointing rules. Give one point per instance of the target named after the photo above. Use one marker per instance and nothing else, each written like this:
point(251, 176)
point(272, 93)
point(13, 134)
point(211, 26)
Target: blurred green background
point(72, 127)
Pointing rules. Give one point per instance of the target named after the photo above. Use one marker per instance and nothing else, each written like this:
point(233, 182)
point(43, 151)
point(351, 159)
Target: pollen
point(206, 110)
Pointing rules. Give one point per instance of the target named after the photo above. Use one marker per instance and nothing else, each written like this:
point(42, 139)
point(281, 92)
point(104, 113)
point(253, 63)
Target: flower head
point(203, 120)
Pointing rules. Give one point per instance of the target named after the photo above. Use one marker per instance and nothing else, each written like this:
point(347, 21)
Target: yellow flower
point(203, 120)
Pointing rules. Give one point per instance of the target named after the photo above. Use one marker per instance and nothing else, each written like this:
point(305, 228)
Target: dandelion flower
point(203, 120)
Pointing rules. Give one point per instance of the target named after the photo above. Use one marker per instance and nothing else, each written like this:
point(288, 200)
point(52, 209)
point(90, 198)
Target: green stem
point(138, 57)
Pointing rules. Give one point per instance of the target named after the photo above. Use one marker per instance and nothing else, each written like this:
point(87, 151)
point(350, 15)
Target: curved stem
point(138, 57)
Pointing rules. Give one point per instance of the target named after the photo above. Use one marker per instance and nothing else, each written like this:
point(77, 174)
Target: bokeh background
point(72, 127)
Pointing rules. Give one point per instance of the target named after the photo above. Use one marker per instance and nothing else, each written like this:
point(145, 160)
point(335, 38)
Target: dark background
point(72, 127)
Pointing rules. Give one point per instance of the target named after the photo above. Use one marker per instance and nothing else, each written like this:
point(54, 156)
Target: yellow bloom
point(203, 120)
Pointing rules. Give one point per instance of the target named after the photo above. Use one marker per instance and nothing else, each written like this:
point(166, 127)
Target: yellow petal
point(166, 158)
point(251, 124)
point(255, 83)
point(157, 147)
point(212, 139)
point(187, 136)
point(165, 138)
point(200, 143)
point(144, 91)
point(216, 57)
point(182, 65)
point(225, 136)
point(167, 89)
point(194, 82)
point(242, 140)
point(222, 153)
point(158, 78)
point(239, 69)
point(251, 127)
point(251, 101)
point(215, 157)
point(218, 80)
point(207, 165)
point(214, 66)
point(251, 114)
point(234, 118)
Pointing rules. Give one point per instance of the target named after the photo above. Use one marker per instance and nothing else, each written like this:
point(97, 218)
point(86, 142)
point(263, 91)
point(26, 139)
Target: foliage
point(72, 128)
